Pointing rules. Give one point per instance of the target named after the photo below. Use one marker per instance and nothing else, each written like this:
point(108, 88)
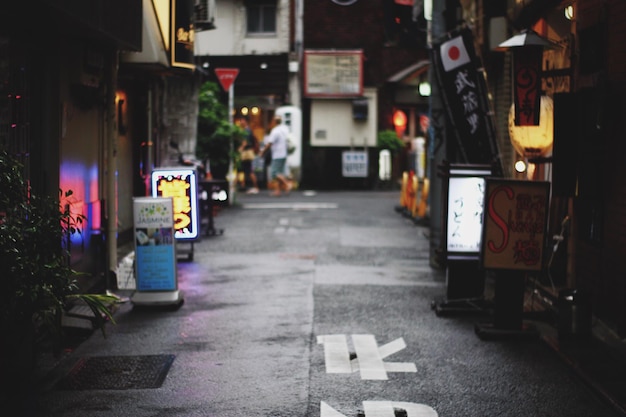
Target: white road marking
point(336, 353)
point(291, 206)
point(370, 362)
point(369, 357)
point(327, 411)
point(383, 409)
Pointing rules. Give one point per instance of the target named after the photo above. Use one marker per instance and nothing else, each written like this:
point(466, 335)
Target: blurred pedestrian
point(277, 144)
point(248, 150)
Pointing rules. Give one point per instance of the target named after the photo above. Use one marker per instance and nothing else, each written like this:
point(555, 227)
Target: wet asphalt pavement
point(316, 305)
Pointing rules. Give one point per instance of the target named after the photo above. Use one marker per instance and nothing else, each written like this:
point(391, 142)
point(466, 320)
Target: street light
point(424, 88)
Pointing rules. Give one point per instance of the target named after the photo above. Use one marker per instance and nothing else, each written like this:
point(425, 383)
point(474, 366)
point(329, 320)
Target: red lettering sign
point(515, 224)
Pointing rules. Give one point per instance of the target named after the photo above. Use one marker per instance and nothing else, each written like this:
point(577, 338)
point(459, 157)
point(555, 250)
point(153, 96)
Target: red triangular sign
point(226, 76)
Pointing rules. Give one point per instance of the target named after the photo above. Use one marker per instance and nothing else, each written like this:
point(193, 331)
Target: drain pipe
point(111, 170)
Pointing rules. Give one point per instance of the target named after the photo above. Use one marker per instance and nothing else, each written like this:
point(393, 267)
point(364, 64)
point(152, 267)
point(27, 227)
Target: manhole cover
point(118, 372)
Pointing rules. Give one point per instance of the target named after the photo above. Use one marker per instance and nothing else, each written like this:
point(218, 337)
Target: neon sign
point(181, 186)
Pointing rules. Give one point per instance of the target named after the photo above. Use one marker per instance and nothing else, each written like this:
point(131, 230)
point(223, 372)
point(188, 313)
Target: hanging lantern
point(534, 141)
point(399, 121)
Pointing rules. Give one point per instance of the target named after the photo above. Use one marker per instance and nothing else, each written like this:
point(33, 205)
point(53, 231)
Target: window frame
point(262, 12)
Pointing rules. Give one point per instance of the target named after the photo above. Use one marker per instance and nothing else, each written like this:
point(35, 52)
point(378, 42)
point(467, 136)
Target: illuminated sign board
point(183, 34)
point(516, 214)
point(181, 185)
point(466, 191)
point(333, 73)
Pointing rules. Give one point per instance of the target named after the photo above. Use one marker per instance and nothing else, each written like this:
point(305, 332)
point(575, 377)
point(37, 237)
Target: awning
point(410, 73)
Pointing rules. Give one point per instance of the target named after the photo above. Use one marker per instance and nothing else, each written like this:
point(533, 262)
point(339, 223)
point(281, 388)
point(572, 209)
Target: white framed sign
point(354, 164)
point(464, 209)
point(465, 213)
point(333, 74)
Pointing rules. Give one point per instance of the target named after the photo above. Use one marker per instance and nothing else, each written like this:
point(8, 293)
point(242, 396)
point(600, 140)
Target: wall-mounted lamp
point(244, 111)
point(520, 166)
point(534, 141)
point(569, 12)
point(531, 115)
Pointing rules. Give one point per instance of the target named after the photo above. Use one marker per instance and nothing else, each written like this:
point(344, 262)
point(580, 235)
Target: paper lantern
point(399, 121)
point(534, 141)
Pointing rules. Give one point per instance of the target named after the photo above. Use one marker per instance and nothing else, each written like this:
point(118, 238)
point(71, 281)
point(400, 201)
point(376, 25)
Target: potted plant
point(37, 281)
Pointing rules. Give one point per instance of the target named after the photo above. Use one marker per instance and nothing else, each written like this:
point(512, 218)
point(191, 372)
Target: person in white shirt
point(277, 143)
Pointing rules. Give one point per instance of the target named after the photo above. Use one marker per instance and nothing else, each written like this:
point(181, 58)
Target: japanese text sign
point(354, 164)
point(181, 185)
point(466, 193)
point(333, 73)
point(465, 96)
point(465, 199)
point(527, 92)
point(516, 215)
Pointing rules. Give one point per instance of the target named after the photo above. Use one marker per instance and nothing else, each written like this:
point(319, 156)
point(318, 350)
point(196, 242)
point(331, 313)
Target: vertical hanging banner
point(181, 185)
point(464, 92)
point(155, 252)
point(516, 214)
point(527, 91)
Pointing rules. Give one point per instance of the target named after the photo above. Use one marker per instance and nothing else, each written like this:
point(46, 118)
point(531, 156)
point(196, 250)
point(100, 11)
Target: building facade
point(582, 71)
point(92, 101)
point(377, 51)
point(259, 39)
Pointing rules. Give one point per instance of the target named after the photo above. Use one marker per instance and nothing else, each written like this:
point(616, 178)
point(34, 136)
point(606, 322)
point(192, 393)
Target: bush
point(37, 281)
point(215, 132)
point(388, 139)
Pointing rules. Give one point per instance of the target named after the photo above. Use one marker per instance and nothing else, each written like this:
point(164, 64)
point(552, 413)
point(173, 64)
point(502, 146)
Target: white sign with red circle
point(454, 54)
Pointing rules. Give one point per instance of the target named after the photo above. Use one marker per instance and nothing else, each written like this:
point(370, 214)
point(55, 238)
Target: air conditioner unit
point(204, 11)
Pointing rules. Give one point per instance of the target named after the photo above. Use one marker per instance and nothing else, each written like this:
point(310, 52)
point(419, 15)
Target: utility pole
point(437, 149)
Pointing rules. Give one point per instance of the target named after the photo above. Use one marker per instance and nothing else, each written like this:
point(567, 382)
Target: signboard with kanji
point(466, 193)
point(354, 164)
point(181, 185)
point(516, 215)
point(464, 92)
point(333, 73)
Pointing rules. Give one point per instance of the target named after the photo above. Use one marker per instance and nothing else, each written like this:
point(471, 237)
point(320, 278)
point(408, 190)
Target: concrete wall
point(230, 37)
